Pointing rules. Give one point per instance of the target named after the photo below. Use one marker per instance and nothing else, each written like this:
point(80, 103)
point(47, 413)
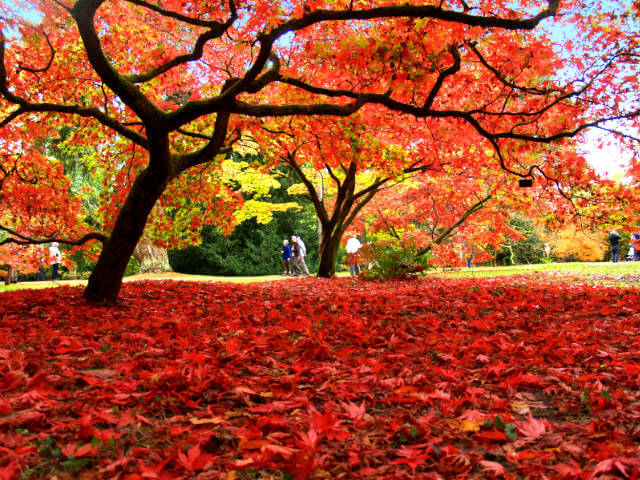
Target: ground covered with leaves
point(323, 379)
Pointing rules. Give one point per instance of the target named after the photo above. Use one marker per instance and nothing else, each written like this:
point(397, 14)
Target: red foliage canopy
point(35, 199)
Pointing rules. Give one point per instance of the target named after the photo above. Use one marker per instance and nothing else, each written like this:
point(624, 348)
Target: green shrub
point(391, 260)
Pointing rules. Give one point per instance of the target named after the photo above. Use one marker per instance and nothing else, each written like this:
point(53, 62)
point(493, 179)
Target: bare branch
point(452, 70)
point(24, 106)
point(449, 230)
point(499, 75)
point(198, 22)
point(33, 180)
point(52, 54)
point(311, 189)
point(277, 132)
point(194, 109)
point(216, 30)
point(359, 206)
point(63, 5)
point(26, 240)
point(101, 117)
point(619, 133)
point(379, 182)
point(416, 11)
point(557, 100)
point(271, 75)
point(333, 175)
point(188, 133)
point(547, 138)
point(105, 98)
point(83, 13)
point(212, 148)
point(344, 198)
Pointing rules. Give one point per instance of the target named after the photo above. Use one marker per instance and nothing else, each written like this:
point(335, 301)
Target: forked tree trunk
point(152, 259)
point(106, 279)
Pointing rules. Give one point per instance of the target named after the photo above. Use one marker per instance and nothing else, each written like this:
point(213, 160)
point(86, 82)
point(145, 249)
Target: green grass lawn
point(577, 268)
point(195, 278)
point(585, 269)
point(168, 276)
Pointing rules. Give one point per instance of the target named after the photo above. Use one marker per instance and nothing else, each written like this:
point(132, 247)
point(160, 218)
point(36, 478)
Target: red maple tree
point(180, 80)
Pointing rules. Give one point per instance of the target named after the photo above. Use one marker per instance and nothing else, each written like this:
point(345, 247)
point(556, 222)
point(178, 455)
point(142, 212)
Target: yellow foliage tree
point(575, 243)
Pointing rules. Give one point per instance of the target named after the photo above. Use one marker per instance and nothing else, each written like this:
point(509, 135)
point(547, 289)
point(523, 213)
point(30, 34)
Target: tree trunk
point(12, 275)
point(106, 279)
point(329, 252)
point(152, 259)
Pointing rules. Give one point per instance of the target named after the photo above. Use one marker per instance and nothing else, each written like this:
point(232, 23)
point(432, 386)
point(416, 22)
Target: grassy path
point(577, 268)
point(623, 273)
point(145, 276)
point(153, 276)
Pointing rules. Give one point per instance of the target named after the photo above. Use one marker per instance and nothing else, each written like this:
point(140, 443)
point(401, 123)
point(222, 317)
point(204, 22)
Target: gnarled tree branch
point(452, 70)
point(52, 54)
point(25, 106)
point(192, 110)
point(215, 30)
point(198, 22)
point(27, 240)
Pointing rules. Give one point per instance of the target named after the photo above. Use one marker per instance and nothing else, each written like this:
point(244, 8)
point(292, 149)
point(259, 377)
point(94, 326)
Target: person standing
point(468, 258)
point(295, 256)
point(286, 257)
point(55, 259)
point(353, 245)
point(41, 263)
point(635, 243)
point(303, 253)
point(614, 241)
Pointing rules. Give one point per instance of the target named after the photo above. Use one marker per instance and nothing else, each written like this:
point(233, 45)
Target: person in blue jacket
point(286, 258)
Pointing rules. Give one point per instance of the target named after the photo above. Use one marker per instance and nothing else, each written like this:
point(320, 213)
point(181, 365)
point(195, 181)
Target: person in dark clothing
point(286, 258)
point(41, 263)
point(614, 241)
point(295, 256)
point(635, 243)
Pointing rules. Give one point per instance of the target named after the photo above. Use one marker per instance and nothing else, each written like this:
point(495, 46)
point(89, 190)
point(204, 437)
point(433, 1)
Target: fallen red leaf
point(389, 383)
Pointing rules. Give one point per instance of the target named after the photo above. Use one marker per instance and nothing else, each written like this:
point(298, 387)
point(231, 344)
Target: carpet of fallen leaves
point(323, 379)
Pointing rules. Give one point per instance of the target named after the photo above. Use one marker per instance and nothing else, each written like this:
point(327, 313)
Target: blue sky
point(610, 159)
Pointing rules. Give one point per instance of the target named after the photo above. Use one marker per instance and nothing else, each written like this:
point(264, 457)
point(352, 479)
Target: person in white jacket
point(353, 245)
point(303, 253)
point(55, 258)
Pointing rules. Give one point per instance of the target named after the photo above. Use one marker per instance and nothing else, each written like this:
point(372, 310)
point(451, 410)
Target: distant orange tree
point(573, 243)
